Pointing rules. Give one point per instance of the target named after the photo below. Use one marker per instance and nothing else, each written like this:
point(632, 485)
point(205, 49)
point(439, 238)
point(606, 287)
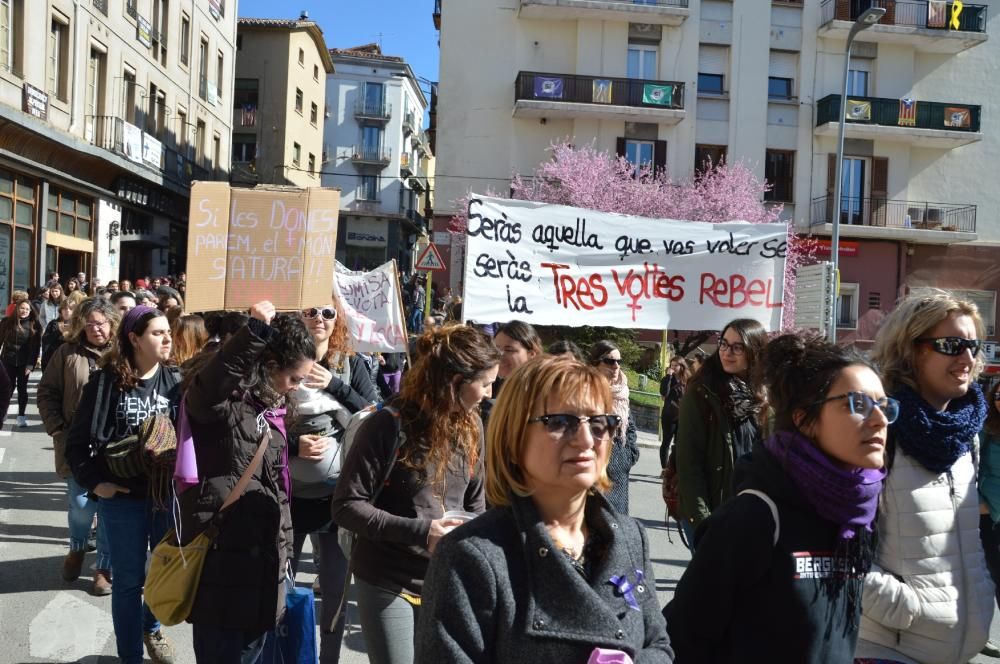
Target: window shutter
point(843, 10)
point(880, 177)
point(831, 183)
point(783, 65)
point(659, 156)
point(712, 59)
point(620, 146)
point(861, 64)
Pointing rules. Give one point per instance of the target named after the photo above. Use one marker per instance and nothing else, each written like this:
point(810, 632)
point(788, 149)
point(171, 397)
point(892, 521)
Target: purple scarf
point(848, 498)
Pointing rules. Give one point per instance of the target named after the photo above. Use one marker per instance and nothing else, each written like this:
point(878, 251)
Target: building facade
point(279, 102)
point(101, 137)
point(675, 82)
point(377, 152)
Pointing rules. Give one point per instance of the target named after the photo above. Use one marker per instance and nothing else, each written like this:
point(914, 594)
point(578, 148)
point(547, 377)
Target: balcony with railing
point(923, 25)
point(409, 123)
point(109, 132)
point(661, 12)
point(885, 218)
point(437, 14)
point(538, 95)
point(365, 155)
point(924, 123)
point(376, 111)
point(405, 169)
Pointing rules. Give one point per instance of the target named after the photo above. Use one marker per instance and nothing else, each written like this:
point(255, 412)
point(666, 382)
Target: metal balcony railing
point(409, 124)
point(367, 155)
point(368, 110)
point(908, 13)
point(888, 213)
point(108, 132)
point(600, 90)
point(890, 113)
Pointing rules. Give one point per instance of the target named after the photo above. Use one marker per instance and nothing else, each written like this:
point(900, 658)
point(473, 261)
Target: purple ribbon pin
point(626, 589)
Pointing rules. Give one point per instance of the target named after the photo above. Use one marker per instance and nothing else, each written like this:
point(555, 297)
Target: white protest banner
point(371, 303)
point(557, 265)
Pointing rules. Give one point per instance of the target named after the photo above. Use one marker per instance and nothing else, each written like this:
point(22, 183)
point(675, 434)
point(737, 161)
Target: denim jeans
point(388, 623)
point(133, 528)
point(81, 515)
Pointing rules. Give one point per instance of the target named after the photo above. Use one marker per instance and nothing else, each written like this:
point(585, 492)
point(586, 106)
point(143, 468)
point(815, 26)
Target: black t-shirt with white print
point(159, 394)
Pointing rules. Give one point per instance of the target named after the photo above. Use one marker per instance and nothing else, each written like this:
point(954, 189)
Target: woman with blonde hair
point(411, 464)
point(552, 572)
point(189, 337)
point(87, 338)
point(928, 597)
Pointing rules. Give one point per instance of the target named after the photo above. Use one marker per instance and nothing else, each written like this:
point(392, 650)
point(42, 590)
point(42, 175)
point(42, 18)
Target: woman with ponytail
point(410, 464)
point(777, 572)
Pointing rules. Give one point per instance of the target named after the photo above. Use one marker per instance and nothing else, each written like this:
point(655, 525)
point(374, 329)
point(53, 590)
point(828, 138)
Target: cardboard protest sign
point(373, 308)
point(557, 265)
point(265, 243)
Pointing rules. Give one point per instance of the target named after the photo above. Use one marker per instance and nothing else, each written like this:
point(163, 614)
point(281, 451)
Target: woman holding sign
point(719, 422)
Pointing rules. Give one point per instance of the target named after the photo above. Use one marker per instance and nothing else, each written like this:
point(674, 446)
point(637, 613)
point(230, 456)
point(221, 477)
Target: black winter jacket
point(242, 582)
point(21, 343)
point(745, 599)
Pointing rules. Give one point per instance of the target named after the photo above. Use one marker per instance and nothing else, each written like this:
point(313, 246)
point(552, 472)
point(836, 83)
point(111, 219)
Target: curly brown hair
point(121, 357)
point(435, 430)
point(340, 338)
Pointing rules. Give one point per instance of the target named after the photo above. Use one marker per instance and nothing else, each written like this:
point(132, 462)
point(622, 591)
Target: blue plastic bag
point(293, 641)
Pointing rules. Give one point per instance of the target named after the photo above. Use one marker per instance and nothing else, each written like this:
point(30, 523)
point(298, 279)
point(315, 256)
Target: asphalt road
point(45, 619)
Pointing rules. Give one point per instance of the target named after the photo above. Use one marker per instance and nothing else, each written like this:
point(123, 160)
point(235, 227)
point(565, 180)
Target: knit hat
point(131, 320)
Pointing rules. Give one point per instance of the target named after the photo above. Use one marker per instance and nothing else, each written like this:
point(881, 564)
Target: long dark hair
point(428, 394)
point(522, 333)
point(10, 323)
point(291, 344)
point(715, 378)
point(121, 358)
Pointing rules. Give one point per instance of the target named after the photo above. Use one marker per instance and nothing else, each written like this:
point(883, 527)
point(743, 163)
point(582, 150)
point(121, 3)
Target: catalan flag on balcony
point(937, 14)
point(249, 115)
point(958, 117)
point(956, 12)
point(907, 112)
point(602, 91)
point(548, 87)
point(859, 110)
point(657, 95)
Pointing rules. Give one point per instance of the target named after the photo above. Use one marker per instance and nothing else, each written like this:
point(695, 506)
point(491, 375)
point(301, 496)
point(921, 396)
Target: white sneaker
point(22, 421)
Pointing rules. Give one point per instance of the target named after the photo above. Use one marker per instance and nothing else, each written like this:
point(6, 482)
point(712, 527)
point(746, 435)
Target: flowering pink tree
point(588, 178)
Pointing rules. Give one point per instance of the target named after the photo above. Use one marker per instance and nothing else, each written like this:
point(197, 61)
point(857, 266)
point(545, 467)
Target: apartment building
point(279, 104)
point(377, 152)
point(108, 110)
point(675, 82)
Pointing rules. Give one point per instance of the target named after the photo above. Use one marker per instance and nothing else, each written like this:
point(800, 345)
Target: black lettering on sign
point(678, 248)
point(774, 248)
point(500, 268)
point(554, 237)
point(495, 230)
point(730, 246)
point(626, 246)
point(519, 305)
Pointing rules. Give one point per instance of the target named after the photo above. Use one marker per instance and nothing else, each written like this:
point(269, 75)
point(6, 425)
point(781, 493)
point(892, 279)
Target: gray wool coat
point(499, 590)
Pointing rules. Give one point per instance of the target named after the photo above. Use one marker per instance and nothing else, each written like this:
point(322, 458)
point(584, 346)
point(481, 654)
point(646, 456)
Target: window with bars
point(70, 214)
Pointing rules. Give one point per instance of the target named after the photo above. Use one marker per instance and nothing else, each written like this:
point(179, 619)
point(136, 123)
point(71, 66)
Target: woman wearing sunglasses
point(929, 597)
point(801, 523)
point(553, 571)
point(414, 473)
point(607, 358)
point(719, 422)
point(337, 387)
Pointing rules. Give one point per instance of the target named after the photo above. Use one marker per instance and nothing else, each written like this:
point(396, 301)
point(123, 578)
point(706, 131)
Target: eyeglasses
point(611, 361)
point(952, 345)
point(328, 313)
point(97, 326)
point(564, 425)
point(863, 405)
point(737, 348)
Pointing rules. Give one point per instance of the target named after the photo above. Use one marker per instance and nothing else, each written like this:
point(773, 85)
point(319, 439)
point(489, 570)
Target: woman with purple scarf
point(777, 572)
point(234, 404)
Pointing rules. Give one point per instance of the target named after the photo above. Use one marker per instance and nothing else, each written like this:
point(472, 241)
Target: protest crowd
point(474, 490)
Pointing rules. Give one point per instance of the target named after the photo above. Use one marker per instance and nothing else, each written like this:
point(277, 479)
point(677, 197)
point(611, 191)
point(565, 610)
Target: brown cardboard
point(265, 243)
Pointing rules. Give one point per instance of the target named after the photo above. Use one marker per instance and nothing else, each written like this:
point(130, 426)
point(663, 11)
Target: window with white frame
point(642, 61)
point(847, 306)
point(58, 57)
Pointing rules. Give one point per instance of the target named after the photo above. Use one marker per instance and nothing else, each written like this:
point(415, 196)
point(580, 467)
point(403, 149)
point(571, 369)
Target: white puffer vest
point(929, 597)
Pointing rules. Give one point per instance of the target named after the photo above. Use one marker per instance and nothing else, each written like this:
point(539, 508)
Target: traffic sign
point(430, 260)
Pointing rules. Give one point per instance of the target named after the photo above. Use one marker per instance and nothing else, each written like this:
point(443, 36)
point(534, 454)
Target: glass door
point(642, 62)
point(852, 197)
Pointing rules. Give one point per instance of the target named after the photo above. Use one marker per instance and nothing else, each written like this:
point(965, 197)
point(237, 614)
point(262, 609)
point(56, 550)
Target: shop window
point(23, 263)
point(69, 214)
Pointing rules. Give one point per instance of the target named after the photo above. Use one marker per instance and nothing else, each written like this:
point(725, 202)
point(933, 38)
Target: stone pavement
point(44, 619)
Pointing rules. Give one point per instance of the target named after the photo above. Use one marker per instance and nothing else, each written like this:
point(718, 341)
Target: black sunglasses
point(564, 425)
point(610, 361)
point(952, 345)
point(328, 313)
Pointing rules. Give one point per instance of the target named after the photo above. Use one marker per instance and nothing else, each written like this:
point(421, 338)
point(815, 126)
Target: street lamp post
point(867, 19)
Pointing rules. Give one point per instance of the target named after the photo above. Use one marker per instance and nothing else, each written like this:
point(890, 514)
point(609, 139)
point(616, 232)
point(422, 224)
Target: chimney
point(304, 16)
